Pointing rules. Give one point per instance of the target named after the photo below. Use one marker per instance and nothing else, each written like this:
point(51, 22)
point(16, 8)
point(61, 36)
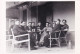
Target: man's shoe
point(33, 48)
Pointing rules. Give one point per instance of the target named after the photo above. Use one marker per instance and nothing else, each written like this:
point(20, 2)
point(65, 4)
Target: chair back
point(56, 34)
point(12, 34)
point(15, 41)
point(63, 33)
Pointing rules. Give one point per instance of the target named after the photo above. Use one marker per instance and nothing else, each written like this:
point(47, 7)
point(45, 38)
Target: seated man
point(46, 40)
point(54, 24)
point(32, 30)
point(28, 28)
point(64, 26)
point(39, 28)
point(64, 30)
point(23, 28)
point(45, 34)
point(19, 29)
point(55, 28)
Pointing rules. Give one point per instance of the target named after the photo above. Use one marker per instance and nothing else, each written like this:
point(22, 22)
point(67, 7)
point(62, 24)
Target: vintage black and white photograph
point(40, 26)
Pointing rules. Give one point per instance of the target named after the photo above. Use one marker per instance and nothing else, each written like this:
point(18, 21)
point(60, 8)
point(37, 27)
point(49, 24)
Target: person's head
point(54, 23)
point(12, 22)
point(33, 23)
point(47, 24)
point(39, 23)
point(29, 24)
point(58, 21)
point(23, 23)
point(64, 21)
point(17, 22)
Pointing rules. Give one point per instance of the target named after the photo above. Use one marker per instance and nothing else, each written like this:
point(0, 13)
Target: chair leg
point(58, 42)
point(50, 43)
point(29, 45)
point(66, 41)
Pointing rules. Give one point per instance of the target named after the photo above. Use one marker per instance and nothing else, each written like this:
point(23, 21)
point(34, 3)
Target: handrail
point(21, 35)
point(8, 35)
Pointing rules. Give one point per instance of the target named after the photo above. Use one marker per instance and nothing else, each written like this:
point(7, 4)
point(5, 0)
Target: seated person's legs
point(32, 40)
point(38, 36)
point(46, 41)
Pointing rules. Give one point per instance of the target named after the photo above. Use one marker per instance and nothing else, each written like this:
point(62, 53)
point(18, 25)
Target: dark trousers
point(46, 41)
point(38, 36)
point(32, 39)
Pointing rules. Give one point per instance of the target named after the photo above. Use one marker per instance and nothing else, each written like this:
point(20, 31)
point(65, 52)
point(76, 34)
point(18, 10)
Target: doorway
point(42, 15)
point(45, 11)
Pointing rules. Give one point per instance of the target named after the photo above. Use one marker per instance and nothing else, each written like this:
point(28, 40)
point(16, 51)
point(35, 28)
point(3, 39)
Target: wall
point(12, 13)
point(34, 14)
point(65, 10)
point(71, 36)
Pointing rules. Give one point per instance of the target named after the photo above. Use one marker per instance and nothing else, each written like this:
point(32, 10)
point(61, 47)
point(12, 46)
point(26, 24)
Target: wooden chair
point(56, 38)
point(8, 38)
point(14, 41)
point(63, 35)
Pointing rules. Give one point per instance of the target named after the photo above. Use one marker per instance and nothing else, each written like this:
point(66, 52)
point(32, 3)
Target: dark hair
point(59, 20)
point(64, 20)
point(32, 22)
point(22, 21)
point(47, 22)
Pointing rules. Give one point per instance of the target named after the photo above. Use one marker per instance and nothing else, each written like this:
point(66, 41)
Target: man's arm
point(56, 27)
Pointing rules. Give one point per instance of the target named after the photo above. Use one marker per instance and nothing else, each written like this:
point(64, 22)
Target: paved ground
point(53, 50)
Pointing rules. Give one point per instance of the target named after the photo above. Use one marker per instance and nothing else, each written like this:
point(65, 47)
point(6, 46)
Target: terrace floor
point(24, 49)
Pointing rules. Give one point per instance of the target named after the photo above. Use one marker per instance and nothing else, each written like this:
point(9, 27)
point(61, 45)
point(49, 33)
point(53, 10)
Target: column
point(28, 15)
point(21, 13)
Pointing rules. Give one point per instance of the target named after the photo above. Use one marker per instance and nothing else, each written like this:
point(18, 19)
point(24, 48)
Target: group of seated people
point(38, 31)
